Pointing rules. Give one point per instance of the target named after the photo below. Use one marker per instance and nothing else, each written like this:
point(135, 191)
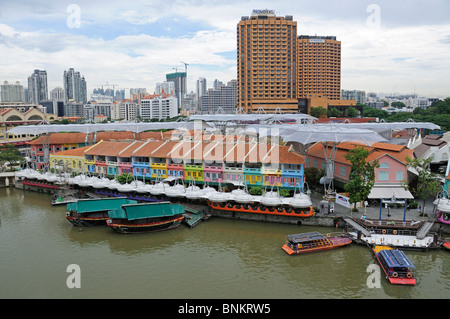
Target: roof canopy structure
point(253, 118)
point(306, 134)
point(90, 128)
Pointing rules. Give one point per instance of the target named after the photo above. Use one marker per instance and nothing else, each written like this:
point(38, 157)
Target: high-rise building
point(224, 99)
point(278, 71)
point(201, 88)
point(12, 92)
point(74, 86)
point(57, 94)
point(318, 67)
point(179, 80)
point(165, 87)
point(266, 62)
point(37, 87)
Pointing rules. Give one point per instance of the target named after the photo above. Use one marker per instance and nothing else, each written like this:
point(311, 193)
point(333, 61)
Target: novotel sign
point(263, 12)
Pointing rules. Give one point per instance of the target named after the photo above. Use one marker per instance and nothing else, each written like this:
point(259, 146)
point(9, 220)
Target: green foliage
point(334, 112)
point(319, 111)
point(284, 192)
point(256, 190)
point(124, 178)
point(438, 113)
point(362, 175)
point(312, 176)
point(8, 153)
point(427, 183)
point(351, 112)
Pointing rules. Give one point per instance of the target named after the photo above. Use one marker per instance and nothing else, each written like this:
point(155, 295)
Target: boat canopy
point(146, 210)
point(305, 237)
point(396, 258)
point(96, 205)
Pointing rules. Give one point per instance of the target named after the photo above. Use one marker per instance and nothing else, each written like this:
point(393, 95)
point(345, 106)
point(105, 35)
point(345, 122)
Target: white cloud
point(409, 51)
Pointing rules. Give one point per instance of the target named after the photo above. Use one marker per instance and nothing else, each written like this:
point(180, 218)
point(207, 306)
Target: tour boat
point(144, 217)
point(397, 267)
point(443, 210)
point(312, 242)
point(446, 245)
point(91, 212)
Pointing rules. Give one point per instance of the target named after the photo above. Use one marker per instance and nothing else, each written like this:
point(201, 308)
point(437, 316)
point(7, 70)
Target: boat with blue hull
point(91, 212)
point(145, 217)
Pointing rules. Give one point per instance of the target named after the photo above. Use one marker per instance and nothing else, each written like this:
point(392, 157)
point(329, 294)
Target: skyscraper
point(74, 86)
point(319, 67)
point(37, 87)
point(179, 80)
point(266, 62)
point(201, 89)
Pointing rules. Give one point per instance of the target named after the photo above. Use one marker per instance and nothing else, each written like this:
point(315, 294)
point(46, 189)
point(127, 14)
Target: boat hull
point(141, 226)
point(443, 218)
point(446, 246)
point(334, 242)
point(92, 219)
point(260, 209)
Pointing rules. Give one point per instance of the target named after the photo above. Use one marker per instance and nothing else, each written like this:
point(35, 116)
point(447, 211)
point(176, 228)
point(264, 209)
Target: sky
point(388, 46)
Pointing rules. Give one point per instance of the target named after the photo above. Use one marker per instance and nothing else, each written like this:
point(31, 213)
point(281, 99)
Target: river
point(219, 258)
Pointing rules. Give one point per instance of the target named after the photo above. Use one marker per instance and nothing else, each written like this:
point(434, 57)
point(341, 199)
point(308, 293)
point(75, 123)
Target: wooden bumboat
point(397, 267)
point(145, 217)
point(313, 242)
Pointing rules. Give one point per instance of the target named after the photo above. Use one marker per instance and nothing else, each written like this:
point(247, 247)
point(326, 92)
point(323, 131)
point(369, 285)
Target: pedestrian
point(389, 211)
point(420, 209)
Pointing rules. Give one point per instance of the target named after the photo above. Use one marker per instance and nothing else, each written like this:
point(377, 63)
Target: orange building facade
point(276, 68)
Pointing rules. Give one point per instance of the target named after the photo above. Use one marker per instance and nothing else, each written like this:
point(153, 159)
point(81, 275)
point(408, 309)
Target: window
point(384, 165)
point(343, 171)
point(399, 176)
point(383, 175)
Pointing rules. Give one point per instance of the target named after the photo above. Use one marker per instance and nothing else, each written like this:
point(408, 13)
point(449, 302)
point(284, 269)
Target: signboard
point(316, 40)
point(342, 200)
point(263, 12)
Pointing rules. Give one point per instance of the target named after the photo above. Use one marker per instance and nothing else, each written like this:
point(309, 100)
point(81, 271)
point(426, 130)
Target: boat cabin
point(307, 240)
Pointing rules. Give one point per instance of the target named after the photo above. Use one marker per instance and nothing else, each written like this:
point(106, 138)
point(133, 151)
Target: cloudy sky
point(388, 46)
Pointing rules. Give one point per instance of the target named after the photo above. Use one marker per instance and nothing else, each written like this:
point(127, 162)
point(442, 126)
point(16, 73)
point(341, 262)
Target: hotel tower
point(276, 69)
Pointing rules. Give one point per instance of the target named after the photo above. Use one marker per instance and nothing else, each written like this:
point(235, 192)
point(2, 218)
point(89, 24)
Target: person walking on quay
point(420, 209)
point(389, 211)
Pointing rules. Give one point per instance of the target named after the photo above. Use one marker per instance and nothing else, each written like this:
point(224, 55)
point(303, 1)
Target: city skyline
point(387, 47)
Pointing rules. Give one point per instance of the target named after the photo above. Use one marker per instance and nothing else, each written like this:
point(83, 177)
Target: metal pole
point(404, 213)
point(381, 208)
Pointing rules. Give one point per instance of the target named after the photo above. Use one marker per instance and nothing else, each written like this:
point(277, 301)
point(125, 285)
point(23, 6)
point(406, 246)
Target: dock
point(193, 217)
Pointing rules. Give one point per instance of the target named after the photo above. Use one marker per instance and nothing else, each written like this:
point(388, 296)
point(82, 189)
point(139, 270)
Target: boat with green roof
point(144, 217)
point(91, 212)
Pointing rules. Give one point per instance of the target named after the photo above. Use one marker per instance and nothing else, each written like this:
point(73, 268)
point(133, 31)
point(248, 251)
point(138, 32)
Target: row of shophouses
point(208, 159)
point(223, 159)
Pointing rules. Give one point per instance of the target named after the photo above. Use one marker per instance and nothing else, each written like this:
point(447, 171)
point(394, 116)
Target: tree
point(8, 153)
point(427, 183)
point(319, 112)
point(362, 175)
point(334, 112)
point(351, 112)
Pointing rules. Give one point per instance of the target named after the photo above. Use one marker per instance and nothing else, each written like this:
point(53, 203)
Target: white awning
point(390, 192)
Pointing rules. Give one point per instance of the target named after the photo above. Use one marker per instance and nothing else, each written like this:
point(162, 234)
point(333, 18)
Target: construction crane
point(185, 66)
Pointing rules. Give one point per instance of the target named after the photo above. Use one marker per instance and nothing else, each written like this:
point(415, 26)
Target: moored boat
point(90, 212)
point(144, 217)
point(446, 245)
point(313, 242)
point(397, 267)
